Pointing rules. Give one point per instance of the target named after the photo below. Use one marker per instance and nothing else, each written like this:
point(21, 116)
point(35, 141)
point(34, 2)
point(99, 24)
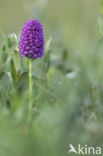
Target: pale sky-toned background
point(73, 22)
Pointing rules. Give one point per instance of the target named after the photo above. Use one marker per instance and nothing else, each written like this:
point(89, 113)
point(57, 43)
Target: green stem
point(30, 85)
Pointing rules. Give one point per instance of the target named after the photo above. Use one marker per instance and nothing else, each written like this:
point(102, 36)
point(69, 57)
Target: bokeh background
point(67, 81)
point(70, 21)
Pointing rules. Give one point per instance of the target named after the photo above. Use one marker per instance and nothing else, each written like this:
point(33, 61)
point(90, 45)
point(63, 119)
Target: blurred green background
point(67, 81)
point(70, 21)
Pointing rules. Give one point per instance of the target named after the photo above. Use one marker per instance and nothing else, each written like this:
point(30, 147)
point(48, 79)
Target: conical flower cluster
point(31, 42)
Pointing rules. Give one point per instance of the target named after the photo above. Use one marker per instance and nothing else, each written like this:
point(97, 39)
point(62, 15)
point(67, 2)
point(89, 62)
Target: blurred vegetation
point(67, 81)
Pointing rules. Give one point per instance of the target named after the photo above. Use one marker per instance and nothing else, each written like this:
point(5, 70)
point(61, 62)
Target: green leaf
point(11, 40)
point(22, 82)
point(5, 80)
point(13, 71)
point(47, 61)
point(4, 54)
point(16, 59)
point(47, 46)
point(4, 47)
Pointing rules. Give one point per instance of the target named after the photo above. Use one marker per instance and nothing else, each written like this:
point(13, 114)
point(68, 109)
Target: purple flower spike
point(31, 42)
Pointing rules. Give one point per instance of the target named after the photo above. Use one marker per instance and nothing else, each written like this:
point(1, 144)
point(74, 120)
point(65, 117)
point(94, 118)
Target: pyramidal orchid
point(31, 45)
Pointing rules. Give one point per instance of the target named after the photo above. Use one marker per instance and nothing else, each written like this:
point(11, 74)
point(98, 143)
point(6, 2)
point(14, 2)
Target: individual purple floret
point(31, 42)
